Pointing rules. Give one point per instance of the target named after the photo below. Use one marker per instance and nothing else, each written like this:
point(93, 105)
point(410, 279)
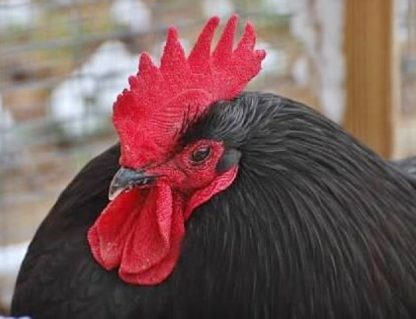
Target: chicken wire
point(406, 38)
point(63, 62)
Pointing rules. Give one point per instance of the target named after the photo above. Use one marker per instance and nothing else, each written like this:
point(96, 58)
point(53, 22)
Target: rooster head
point(163, 178)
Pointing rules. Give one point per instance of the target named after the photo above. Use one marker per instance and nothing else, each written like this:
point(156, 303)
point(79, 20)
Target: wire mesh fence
point(406, 36)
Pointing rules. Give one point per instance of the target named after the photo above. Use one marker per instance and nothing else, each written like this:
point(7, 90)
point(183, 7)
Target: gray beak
point(126, 179)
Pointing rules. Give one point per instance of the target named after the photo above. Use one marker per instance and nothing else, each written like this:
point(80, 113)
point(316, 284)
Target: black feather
point(315, 226)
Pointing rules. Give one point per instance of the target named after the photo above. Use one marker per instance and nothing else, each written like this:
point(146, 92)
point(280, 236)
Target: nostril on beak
point(126, 179)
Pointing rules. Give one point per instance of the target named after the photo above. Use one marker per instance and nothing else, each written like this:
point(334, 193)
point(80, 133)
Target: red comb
point(161, 101)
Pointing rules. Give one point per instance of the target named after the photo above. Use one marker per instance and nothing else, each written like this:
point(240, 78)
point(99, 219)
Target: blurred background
point(63, 62)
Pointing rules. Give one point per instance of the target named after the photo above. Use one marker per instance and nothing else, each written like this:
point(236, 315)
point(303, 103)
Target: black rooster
point(313, 226)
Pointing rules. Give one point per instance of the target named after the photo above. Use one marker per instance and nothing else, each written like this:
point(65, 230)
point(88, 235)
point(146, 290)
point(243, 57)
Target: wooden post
point(371, 73)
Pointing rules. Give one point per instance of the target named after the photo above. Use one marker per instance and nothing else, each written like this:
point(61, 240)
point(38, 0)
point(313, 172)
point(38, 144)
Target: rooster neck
point(312, 210)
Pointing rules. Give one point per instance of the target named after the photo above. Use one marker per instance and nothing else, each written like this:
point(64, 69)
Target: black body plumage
point(316, 226)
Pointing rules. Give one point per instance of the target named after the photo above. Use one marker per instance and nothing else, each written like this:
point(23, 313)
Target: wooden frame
point(371, 84)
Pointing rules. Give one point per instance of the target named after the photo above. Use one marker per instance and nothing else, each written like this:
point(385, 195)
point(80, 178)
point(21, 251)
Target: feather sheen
point(315, 226)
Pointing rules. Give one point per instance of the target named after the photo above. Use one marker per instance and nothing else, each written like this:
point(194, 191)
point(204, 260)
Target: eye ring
point(200, 154)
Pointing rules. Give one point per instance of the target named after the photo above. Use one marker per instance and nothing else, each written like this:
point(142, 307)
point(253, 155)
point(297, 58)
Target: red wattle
point(141, 231)
point(157, 272)
point(107, 236)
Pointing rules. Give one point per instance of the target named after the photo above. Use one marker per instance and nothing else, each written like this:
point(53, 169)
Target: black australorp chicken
point(224, 205)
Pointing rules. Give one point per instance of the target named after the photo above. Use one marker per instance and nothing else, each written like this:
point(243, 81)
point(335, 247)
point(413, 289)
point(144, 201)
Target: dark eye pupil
point(200, 154)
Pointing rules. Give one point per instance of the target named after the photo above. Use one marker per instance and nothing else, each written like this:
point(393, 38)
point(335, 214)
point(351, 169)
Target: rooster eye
point(200, 154)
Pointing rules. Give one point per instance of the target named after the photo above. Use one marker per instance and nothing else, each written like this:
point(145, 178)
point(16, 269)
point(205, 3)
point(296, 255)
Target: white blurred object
point(217, 7)
point(7, 140)
point(319, 25)
point(300, 71)
point(92, 89)
point(6, 118)
point(279, 6)
point(132, 13)
point(402, 8)
point(11, 257)
point(20, 13)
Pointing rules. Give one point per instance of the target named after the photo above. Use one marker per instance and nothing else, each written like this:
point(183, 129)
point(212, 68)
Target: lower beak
point(126, 179)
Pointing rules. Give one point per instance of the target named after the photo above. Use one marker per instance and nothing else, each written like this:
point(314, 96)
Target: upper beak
point(127, 178)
